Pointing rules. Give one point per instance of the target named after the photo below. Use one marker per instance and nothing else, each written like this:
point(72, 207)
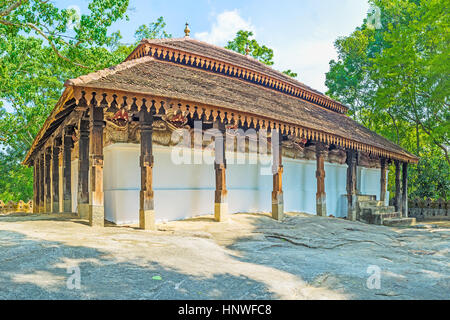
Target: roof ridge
point(97, 75)
point(279, 74)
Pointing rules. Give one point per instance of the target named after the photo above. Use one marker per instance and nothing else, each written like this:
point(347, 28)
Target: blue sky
point(301, 32)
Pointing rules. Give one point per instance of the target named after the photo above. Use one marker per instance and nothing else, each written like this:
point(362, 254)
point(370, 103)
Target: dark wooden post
point(220, 165)
point(48, 180)
point(383, 180)
point(42, 183)
point(83, 170)
point(321, 198)
point(96, 197)
point(36, 185)
point(277, 170)
point(405, 190)
point(398, 194)
point(67, 169)
point(351, 185)
point(146, 196)
point(55, 174)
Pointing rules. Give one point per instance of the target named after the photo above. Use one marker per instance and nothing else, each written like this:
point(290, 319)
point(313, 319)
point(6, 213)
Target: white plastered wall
point(187, 190)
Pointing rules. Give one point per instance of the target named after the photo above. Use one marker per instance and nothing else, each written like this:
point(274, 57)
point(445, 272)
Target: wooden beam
point(96, 196)
point(67, 169)
point(55, 174)
point(48, 180)
point(398, 193)
point(36, 185)
point(277, 171)
point(146, 195)
point(321, 199)
point(220, 165)
point(42, 182)
point(351, 185)
point(83, 170)
point(405, 190)
point(383, 180)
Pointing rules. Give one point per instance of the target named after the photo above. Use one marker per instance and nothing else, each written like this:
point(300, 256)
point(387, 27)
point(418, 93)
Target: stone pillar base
point(321, 206)
point(147, 219)
point(277, 206)
point(220, 211)
point(83, 211)
point(277, 211)
point(96, 216)
point(67, 205)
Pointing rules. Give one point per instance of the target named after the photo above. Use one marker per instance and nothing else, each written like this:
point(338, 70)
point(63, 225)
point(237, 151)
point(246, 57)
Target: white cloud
point(310, 59)
point(227, 24)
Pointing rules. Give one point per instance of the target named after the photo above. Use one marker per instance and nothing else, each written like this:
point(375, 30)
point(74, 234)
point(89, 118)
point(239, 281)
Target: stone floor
point(248, 257)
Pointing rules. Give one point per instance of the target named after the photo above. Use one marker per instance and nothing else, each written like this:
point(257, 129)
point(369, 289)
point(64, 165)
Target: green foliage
point(240, 42)
point(290, 73)
point(396, 81)
point(33, 68)
point(154, 30)
point(243, 42)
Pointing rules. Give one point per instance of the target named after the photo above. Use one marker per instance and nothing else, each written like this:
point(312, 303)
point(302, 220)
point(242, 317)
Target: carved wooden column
point(55, 174)
point(67, 169)
point(398, 194)
point(277, 170)
point(83, 170)
point(321, 199)
point(405, 190)
point(351, 185)
point(220, 165)
point(146, 196)
point(383, 180)
point(48, 180)
point(36, 185)
point(96, 197)
point(42, 183)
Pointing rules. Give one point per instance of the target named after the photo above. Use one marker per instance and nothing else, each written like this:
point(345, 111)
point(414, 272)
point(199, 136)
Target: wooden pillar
point(277, 170)
point(83, 170)
point(96, 197)
point(220, 165)
point(42, 183)
point(321, 199)
point(351, 185)
point(146, 196)
point(398, 194)
point(36, 185)
point(67, 169)
point(405, 190)
point(55, 174)
point(383, 180)
point(48, 180)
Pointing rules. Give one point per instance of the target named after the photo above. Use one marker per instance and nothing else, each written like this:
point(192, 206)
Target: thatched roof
point(155, 75)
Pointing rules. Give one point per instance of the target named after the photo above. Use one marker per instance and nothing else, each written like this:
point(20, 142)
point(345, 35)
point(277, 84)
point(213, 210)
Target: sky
point(301, 32)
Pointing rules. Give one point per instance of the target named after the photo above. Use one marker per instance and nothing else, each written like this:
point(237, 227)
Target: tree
point(395, 78)
point(45, 20)
point(154, 30)
point(243, 42)
point(31, 81)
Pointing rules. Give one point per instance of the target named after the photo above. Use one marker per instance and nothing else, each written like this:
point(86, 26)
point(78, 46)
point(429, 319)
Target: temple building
point(115, 146)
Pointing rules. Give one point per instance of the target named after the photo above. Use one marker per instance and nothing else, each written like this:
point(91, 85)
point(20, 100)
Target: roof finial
point(247, 49)
point(187, 31)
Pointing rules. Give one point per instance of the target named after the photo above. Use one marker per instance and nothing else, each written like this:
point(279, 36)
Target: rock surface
point(250, 256)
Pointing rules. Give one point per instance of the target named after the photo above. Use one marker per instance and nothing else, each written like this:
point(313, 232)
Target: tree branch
point(11, 8)
point(42, 33)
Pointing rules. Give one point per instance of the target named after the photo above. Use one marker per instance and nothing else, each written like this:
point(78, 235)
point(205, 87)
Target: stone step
point(370, 203)
point(399, 222)
point(366, 197)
